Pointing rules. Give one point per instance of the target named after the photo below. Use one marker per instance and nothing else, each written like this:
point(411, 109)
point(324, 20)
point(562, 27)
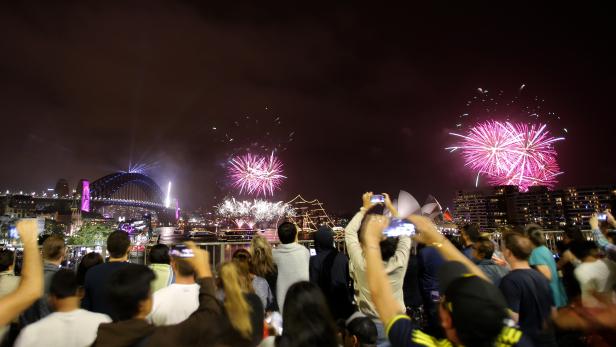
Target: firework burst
point(252, 212)
point(511, 154)
point(256, 175)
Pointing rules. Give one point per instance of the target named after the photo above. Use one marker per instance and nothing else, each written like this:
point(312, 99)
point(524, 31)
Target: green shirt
point(543, 256)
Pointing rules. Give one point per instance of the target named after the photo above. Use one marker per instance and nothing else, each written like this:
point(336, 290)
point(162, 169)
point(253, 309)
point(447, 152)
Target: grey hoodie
point(292, 260)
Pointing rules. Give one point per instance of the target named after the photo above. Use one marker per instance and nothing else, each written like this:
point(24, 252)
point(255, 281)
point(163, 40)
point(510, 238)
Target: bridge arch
point(127, 185)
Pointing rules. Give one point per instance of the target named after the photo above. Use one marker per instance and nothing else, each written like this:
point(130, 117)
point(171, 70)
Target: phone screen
point(13, 232)
point(399, 227)
point(602, 217)
point(313, 251)
point(181, 251)
point(377, 199)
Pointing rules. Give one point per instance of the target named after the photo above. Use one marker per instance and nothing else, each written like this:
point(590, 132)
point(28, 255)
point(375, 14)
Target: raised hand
point(367, 204)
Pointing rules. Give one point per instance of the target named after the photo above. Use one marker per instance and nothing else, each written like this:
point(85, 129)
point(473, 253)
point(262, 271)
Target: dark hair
point(574, 233)
point(519, 245)
point(582, 249)
point(7, 258)
point(63, 284)
point(389, 245)
point(242, 256)
point(159, 254)
point(471, 230)
point(287, 232)
point(611, 235)
point(53, 247)
point(306, 320)
point(127, 287)
point(88, 261)
point(364, 329)
point(183, 267)
point(485, 248)
point(535, 234)
point(118, 243)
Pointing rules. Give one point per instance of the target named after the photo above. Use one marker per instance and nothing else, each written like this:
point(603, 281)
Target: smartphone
point(313, 252)
point(181, 251)
point(378, 198)
point(13, 232)
point(399, 227)
point(602, 217)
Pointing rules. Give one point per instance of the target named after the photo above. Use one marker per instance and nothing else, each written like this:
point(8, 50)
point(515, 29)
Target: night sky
point(369, 93)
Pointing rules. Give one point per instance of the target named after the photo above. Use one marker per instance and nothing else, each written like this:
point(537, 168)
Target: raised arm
point(386, 305)
point(600, 240)
point(31, 285)
point(351, 238)
point(430, 236)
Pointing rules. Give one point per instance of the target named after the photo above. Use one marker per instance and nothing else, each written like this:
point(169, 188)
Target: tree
point(91, 234)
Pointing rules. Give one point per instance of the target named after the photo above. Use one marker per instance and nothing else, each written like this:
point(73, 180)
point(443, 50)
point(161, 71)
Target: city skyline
point(365, 97)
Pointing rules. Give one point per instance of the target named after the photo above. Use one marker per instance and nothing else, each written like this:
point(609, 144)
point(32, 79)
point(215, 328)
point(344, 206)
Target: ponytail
point(236, 306)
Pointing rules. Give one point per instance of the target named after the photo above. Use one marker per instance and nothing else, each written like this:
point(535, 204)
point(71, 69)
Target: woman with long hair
point(243, 259)
point(263, 265)
point(306, 320)
point(242, 305)
point(87, 261)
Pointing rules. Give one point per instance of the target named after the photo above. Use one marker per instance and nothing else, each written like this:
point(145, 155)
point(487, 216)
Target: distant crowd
point(426, 289)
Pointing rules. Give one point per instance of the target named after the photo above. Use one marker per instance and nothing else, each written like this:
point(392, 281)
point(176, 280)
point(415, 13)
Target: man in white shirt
point(68, 326)
point(596, 276)
point(292, 260)
point(173, 304)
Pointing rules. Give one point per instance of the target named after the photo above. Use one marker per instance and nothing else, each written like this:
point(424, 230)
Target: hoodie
point(292, 260)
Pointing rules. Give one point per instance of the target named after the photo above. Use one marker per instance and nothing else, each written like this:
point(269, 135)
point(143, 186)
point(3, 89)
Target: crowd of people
point(426, 289)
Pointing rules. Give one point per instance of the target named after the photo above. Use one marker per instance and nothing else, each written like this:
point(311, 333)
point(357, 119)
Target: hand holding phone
point(181, 251)
point(602, 217)
point(377, 199)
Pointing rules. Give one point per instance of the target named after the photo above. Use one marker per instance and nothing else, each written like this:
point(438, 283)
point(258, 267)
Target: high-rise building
point(62, 189)
point(506, 205)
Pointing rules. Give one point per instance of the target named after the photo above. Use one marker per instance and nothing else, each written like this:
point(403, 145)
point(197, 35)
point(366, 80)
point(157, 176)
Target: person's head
point(262, 260)
point(483, 249)
point(470, 233)
point(360, 332)
point(287, 233)
point(573, 234)
point(54, 248)
point(64, 286)
point(535, 234)
point(159, 254)
point(388, 245)
point(233, 284)
point(88, 261)
point(472, 310)
point(516, 246)
point(306, 319)
point(611, 237)
point(182, 268)
point(324, 239)
point(584, 249)
point(130, 292)
point(7, 260)
point(118, 244)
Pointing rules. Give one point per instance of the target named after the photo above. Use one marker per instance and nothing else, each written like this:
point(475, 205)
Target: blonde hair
point(235, 304)
point(262, 260)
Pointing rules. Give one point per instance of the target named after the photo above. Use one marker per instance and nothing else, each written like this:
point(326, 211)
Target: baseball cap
point(477, 307)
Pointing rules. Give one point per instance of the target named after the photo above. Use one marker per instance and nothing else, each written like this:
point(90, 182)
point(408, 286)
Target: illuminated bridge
point(126, 189)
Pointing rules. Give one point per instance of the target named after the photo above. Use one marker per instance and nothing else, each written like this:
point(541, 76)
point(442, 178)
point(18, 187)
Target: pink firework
point(255, 174)
point(511, 154)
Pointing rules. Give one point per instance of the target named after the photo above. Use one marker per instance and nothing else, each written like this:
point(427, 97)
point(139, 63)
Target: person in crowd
point(160, 263)
point(596, 276)
point(429, 260)
point(395, 252)
point(329, 269)
point(527, 291)
point(97, 278)
point(483, 249)
point(410, 288)
point(176, 302)
point(263, 265)
point(611, 236)
point(68, 325)
point(306, 319)
point(259, 284)
point(470, 233)
point(543, 261)
point(473, 312)
point(359, 331)
point(213, 324)
point(567, 261)
point(291, 258)
point(597, 323)
point(31, 285)
point(240, 300)
point(600, 239)
point(87, 261)
point(8, 281)
point(54, 249)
